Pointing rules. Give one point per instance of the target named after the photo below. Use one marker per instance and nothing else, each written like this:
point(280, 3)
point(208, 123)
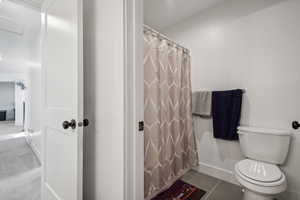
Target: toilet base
point(249, 195)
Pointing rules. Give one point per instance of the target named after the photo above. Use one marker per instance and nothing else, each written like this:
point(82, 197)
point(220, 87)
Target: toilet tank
point(262, 144)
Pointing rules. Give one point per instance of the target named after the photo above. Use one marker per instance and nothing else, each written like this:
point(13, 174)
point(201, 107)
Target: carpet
point(181, 190)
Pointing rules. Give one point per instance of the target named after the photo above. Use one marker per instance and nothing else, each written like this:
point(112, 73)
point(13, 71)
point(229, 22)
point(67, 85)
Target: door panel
point(61, 46)
point(62, 99)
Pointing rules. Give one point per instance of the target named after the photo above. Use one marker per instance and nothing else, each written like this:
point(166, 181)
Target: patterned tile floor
point(19, 171)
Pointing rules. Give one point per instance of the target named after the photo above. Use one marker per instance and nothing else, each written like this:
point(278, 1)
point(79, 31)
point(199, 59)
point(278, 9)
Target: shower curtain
point(169, 148)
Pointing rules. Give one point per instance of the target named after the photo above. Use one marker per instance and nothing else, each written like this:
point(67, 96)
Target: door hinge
point(141, 125)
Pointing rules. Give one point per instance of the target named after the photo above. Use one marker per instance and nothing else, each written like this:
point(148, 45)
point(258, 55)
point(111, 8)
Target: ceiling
point(19, 33)
point(37, 4)
point(160, 14)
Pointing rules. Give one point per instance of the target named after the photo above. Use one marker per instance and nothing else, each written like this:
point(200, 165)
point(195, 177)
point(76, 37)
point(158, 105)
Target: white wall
point(20, 97)
point(34, 108)
point(14, 48)
point(104, 99)
point(253, 45)
point(7, 98)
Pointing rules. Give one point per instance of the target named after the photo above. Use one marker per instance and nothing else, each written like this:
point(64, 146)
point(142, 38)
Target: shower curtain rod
point(148, 28)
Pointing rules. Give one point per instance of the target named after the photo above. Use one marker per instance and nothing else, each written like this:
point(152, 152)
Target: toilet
point(259, 174)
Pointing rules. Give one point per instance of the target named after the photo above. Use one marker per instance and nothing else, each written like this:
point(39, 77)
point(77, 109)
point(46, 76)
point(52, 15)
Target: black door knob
point(71, 124)
point(295, 125)
point(85, 122)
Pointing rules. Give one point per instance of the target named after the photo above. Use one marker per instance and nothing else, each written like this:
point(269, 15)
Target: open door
point(62, 100)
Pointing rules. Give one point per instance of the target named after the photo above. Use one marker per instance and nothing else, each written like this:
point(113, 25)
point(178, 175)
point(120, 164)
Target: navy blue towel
point(226, 113)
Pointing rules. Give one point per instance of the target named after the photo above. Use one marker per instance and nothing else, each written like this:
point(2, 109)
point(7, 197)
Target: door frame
point(134, 100)
point(43, 78)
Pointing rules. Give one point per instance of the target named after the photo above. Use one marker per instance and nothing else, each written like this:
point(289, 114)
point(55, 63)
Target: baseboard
point(222, 174)
point(36, 151)
point(33, 147)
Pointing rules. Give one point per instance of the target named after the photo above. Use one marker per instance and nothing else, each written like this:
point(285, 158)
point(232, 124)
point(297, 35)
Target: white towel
point(201, 103)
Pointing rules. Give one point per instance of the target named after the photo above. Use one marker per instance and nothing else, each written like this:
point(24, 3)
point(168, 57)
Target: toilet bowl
point(261, 181)
point(259, 174)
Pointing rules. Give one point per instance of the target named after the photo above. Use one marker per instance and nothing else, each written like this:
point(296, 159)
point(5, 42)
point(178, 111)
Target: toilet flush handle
point(295, 125)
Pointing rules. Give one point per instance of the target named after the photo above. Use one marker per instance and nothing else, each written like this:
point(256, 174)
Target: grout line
point(213, 189)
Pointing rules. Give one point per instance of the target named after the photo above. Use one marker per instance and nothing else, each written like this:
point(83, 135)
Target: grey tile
point(288, 195)
point(226, 191)
point(201, 181)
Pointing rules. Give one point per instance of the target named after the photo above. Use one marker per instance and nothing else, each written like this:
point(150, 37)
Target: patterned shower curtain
point(170, 148)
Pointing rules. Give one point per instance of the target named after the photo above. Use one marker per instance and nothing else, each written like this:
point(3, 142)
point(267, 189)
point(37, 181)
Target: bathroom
point(85, 115)
point(248, 45)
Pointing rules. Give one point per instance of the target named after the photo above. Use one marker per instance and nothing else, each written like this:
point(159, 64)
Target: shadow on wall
point(90, 83)
point(246, 111)
point(226, 12)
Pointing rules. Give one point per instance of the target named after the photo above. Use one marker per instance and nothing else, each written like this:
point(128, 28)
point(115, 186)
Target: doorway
point(11, 112)
point(209, 32)
point(20, 101)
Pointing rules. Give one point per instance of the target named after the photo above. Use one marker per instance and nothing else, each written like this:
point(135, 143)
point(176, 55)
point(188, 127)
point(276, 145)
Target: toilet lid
point(259, 171)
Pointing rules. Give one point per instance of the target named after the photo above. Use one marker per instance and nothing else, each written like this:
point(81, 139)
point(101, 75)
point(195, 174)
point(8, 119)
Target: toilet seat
point(259, 171)
point(264, 187)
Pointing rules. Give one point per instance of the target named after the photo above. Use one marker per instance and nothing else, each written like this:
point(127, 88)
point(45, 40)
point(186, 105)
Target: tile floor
point(215, 188)
point(20, 177)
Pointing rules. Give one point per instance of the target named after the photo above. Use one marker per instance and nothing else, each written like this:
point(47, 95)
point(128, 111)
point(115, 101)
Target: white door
point(62, 100)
